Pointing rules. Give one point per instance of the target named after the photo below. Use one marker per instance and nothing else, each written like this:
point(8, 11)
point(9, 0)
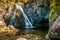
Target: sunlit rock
point(2, 23)
point(8, 30)
point(21, 38)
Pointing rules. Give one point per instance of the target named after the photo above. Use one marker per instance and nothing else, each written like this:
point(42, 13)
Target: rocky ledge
point(23, 37)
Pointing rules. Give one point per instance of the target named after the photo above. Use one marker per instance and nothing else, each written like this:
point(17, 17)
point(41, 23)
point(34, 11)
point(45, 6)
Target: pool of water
point(37, 32)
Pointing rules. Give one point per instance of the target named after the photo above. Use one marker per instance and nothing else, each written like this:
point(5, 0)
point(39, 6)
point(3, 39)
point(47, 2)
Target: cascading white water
point(27, 22)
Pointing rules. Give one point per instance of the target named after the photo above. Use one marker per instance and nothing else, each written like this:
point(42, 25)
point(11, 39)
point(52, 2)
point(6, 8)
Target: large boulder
point(54, 30)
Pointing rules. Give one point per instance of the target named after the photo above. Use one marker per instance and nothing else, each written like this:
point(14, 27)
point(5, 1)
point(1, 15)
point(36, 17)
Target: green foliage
point(55, 10)
point(52, 15)
point(52, 5)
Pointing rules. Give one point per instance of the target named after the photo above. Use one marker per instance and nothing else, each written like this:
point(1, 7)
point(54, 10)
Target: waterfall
point(28, 24)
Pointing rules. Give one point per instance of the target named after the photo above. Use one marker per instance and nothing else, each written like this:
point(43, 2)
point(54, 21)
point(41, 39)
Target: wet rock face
point(37, 13)
point(16, 22)
point(54, 31)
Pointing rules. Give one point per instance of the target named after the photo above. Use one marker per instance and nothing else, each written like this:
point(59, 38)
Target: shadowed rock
point(54, 31)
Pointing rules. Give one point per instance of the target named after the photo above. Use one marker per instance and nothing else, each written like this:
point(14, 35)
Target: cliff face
point(38, 11)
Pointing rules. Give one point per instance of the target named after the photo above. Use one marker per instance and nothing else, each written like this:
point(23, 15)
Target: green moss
point(52, 15)
point(52, 5)
point(55, 9)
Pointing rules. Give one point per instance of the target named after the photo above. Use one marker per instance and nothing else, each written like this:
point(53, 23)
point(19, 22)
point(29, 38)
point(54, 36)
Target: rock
point(21, 38)
point(54, 31)
point(31, 37)
point(2, 12)
point(7, 29)
point(2, 24)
